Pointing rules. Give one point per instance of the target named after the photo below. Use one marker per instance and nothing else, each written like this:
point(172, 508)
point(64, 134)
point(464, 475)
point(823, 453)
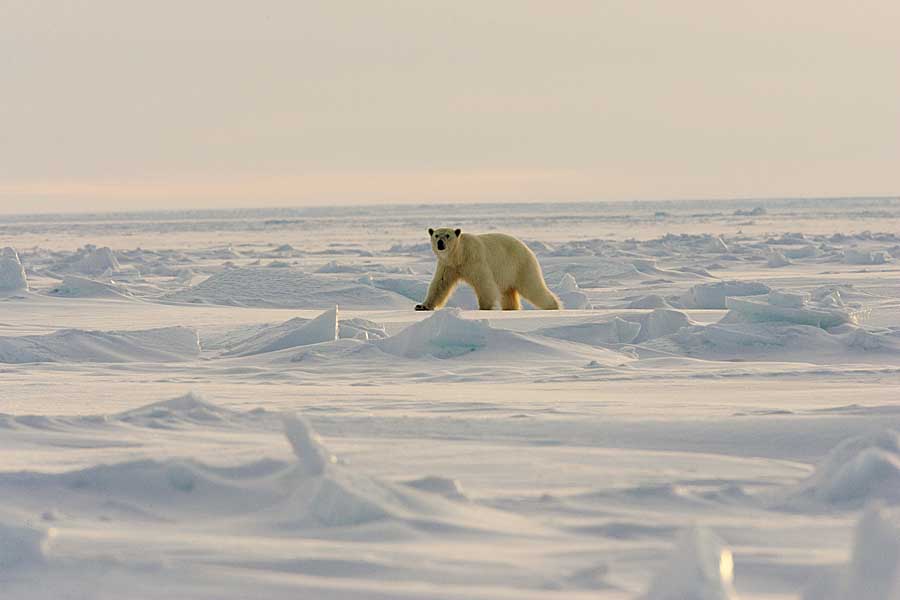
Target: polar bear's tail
point(540, 295)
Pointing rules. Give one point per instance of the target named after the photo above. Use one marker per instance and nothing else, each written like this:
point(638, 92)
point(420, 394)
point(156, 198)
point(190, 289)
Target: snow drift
point(286, 288)
point(167, 344)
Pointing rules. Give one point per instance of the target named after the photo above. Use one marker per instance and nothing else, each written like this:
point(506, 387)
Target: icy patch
point(168, 344)
point(571, 295)
point(713, 295)
point(874, 569)
point(323, 328)
point(361, 329)
point(699, 568)
point(858, 470)
point(12, 273)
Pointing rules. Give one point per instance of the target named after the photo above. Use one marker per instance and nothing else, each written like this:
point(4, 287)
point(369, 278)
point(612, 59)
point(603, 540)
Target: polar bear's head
point(444, 240)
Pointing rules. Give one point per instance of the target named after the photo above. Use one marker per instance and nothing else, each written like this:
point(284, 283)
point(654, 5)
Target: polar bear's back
point(508, 257)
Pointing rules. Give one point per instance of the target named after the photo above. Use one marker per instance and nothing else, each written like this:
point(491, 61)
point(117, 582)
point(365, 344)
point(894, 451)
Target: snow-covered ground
point(243, 404)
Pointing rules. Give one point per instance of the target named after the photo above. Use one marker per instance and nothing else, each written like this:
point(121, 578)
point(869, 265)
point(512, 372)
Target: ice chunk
point(717, 245)
point(699, 568)
point(570, 294)
point(777, 259)
point(712, 295)
point(787, 299)
point(12, 273)
point(95, 261)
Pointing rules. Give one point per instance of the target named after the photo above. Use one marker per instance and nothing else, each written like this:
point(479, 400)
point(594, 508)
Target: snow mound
point(874, 569)
point(73, 286)
point(570, 294)
point(22, 544)
point(12, 273)
point(858, 470)
point(616, 331)
point(717, 245)
point(445, 334)
point(168, 344)
point(186, 410)
point(713, 295)
point(790, 308)
point(291, 334)
point(286, 288)
point(699, 568)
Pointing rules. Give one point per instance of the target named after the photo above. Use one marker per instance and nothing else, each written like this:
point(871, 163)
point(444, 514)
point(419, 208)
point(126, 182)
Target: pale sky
point(126, 105)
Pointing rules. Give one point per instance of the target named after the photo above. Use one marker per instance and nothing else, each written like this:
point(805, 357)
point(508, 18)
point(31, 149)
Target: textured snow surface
point(244, 404)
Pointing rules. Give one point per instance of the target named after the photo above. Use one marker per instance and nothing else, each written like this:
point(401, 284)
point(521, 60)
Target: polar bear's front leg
point(441, 285)
point(485, 289)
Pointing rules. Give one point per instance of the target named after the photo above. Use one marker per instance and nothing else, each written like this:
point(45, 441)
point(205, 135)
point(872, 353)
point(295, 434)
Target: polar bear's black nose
point(440, 244)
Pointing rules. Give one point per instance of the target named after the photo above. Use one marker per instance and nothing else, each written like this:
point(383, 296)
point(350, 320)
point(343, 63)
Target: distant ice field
point(235, 404)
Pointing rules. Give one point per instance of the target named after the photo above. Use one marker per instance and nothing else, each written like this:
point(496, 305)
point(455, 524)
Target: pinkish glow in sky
point(136, 105)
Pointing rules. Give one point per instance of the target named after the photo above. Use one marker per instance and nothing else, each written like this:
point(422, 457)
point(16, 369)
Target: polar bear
point(498, 266)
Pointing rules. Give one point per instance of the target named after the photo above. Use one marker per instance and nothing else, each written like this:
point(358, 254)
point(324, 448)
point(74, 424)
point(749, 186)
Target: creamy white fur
point(499, 268)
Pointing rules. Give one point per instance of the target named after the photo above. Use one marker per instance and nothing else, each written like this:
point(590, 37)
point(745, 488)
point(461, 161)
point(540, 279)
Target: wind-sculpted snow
point(728, 366)
point(166, 344)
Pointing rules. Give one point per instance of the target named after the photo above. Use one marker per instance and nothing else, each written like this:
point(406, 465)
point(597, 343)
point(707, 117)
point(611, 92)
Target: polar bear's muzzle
point(441, 245)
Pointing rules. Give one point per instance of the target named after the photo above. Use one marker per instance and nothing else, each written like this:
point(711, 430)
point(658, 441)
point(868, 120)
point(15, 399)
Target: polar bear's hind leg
point(510, 300)
point(540, 295)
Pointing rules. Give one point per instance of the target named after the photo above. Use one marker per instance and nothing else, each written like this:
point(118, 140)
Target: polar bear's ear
point(457, 232)
point(430, 231)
